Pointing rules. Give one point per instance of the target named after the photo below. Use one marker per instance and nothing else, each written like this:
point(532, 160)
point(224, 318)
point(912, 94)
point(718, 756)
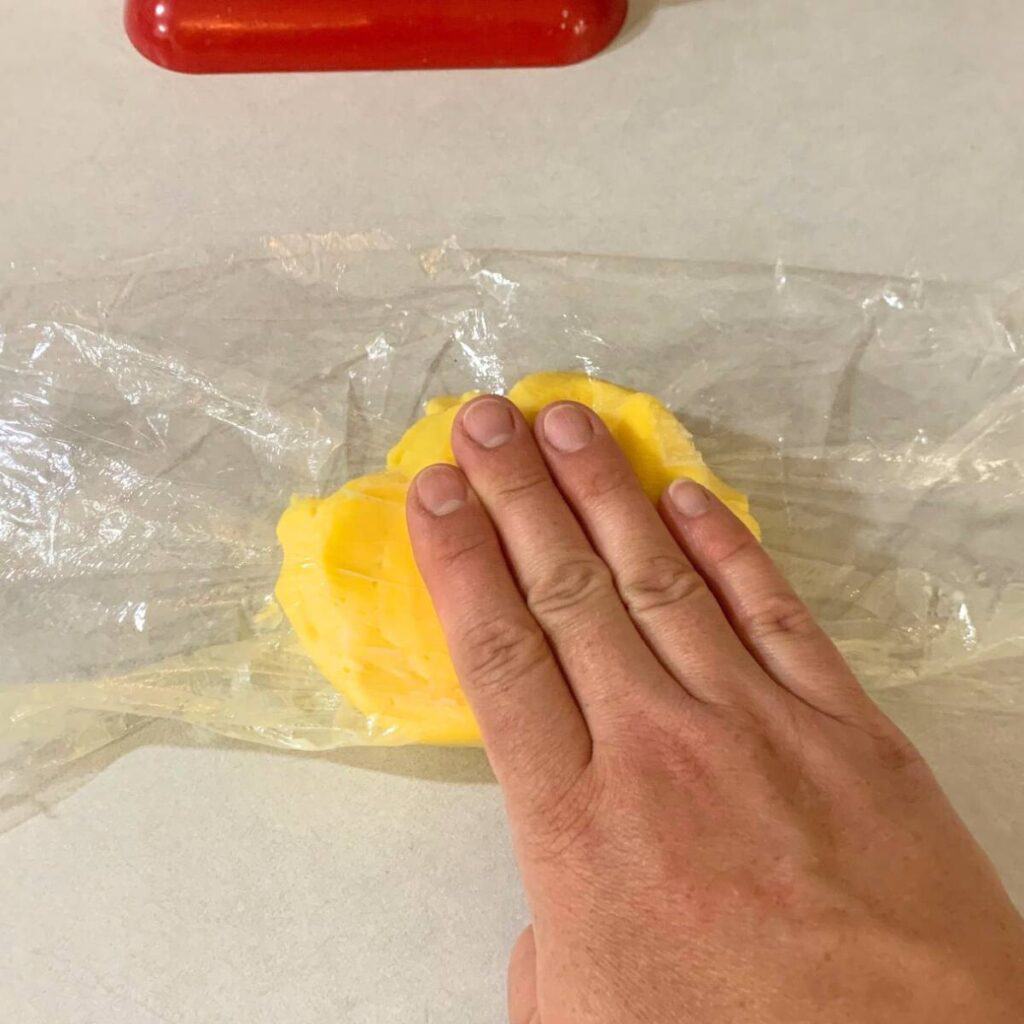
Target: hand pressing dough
point(351, 589)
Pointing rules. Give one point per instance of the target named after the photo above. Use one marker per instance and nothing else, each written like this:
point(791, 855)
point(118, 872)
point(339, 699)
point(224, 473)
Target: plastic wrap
point(156, 416)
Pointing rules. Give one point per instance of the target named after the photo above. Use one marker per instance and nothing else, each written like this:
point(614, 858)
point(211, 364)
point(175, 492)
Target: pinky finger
point(774, 624)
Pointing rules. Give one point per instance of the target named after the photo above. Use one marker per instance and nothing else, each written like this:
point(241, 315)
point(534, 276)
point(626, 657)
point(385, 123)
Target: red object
point(211, 36)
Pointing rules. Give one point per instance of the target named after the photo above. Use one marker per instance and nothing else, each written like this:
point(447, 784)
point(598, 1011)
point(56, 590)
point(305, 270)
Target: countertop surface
point(195, 881)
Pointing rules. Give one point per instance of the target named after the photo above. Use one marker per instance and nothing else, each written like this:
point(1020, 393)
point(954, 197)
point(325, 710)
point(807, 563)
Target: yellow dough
point(351, 589)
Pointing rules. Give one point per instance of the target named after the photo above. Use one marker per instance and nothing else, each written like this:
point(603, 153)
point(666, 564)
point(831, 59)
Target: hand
point(713, 821)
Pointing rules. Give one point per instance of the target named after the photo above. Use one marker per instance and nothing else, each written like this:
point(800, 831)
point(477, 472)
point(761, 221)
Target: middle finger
point(567, 586)
point(668, 599)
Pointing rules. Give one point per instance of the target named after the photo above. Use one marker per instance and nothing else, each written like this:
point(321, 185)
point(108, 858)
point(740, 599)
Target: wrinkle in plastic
point(157, 415)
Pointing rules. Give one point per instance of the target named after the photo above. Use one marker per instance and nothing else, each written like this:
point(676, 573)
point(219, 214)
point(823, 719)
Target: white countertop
point(197, 882)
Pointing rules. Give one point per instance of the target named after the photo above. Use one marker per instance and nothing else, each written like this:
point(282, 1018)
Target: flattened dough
point(351, 589)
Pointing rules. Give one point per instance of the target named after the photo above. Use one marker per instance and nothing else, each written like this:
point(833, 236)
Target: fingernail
point(489, 422)
point(567, 428)
point(441, 490)
point(689, 498)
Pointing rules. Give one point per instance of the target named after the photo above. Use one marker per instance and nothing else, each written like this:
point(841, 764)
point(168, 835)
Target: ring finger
point(566, 584)
point(668, 599)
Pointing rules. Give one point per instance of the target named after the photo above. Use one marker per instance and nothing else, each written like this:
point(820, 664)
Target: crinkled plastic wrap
point(157, 415)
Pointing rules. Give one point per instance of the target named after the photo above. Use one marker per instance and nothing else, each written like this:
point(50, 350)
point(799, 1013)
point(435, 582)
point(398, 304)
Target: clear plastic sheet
point(156, 416)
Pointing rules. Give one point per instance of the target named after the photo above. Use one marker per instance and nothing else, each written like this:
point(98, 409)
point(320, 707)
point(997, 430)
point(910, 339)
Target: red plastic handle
point(210, 36)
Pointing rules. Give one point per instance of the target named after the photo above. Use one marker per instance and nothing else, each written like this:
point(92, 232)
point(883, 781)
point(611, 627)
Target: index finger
point(530, 721)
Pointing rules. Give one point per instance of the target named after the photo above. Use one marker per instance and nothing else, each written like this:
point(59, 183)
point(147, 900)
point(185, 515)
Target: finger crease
point(569, 586)
point(456, 553)
point(781, 616)
point(667, 583)
point(511, 491)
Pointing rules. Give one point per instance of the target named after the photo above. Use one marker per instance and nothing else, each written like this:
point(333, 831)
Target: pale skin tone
point(714, 823)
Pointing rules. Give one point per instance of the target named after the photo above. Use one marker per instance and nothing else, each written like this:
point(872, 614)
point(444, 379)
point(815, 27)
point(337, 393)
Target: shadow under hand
point(456, 766)
point(460, 766)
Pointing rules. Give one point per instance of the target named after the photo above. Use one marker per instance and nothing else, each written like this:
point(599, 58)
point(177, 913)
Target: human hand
point(713, 821)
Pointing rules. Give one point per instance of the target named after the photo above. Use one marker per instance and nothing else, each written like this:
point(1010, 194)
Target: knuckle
point(737, 730)
point(659, 582)
point(896, 753)
point(887, 744)
point(567, 586)
point(782, 616)
point(497, 652)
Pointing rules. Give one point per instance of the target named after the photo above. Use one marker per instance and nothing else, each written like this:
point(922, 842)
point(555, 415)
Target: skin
point(714, 822)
